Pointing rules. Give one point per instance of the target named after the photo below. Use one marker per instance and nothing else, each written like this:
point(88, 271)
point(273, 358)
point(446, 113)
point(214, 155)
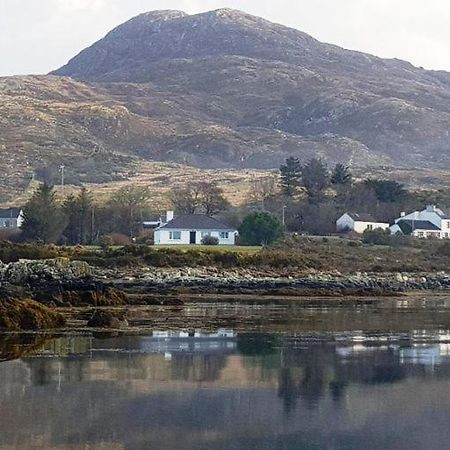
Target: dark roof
point(408, 226)
point(10, 213)
point(195, 222)
point(362, 217)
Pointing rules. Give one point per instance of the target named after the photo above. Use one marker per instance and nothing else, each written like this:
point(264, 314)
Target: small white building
point(428, 223)
point(359, 223)
point(190, 229)
point(11, 218)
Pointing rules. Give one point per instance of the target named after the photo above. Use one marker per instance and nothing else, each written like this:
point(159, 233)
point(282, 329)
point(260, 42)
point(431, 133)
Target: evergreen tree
point(291, 175)
point(341, 175)
point(260, 228)
point(43, 218)
point(78, 212)
point(387, 191)
point(315, 179)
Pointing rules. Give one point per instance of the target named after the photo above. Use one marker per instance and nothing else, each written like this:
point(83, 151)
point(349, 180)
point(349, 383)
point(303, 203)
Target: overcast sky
point(37, 36)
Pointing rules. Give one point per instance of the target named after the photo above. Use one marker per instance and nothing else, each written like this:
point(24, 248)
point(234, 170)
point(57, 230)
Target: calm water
point(374, 376)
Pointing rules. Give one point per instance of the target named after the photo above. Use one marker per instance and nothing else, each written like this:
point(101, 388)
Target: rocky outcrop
point(248, 282)
point(57, 282)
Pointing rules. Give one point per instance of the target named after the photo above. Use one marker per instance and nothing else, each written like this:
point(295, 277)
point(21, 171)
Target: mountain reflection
point(222, 391)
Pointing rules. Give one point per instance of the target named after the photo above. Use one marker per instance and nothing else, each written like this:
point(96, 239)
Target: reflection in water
point(230, 390)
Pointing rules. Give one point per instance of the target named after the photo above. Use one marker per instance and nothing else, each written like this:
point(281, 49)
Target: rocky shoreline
point(245, 281)
point(64, 283)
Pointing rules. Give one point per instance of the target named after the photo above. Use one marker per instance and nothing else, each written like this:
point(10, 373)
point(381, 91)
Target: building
point(11, 218)
point(191, 229)
point(428, 223)
point(359, 223)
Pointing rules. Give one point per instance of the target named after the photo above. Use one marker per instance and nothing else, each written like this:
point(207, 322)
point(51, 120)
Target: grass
point(211, 248)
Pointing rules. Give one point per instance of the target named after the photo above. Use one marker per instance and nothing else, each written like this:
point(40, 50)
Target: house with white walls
point(11, 218)
point(432, 222)
point(358, 223)
point(191, 229)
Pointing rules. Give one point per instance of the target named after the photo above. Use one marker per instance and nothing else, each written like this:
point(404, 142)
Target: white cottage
point(430, 222)
point(359, 223)
point(11, 218)
point(191, 229)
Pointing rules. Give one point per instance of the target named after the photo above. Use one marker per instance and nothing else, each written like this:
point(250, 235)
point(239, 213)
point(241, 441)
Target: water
point(357, 376)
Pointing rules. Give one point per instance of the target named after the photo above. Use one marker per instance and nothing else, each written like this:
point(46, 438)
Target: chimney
point(169, 216)
point(431, 208)
point(402, 214)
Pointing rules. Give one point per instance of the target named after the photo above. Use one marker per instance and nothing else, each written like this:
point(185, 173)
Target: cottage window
point(205, 233)
point(224, 235)
point(369, 227)
point(174, 235)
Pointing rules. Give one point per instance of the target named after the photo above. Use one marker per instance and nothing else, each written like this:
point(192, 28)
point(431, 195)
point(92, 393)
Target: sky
point(37, 36)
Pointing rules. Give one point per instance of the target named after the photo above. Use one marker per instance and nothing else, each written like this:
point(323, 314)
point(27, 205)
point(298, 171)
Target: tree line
point(302, 197)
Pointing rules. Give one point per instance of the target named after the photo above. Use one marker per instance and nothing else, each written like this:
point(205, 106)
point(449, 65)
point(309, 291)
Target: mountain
point(223, 89)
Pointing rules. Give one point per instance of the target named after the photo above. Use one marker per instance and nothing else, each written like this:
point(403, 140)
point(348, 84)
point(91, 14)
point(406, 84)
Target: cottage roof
point(362, 217)
point(9, 213)
point(408, 226)
point(196, 222)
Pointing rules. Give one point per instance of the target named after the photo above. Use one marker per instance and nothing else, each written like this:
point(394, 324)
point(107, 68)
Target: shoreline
point(44, 286)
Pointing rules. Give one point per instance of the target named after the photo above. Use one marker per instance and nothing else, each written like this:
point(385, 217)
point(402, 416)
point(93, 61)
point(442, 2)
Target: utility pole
point(62, 168)
point(283, 215)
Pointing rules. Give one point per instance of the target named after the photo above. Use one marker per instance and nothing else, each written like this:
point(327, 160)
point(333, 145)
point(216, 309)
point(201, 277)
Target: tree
point(341, 175)
point(291, 175)
point(43, 218)
point(212, 199)
point(78, 212)
point(315, 179)
point(206, 197)
point(127, 204)
point(260, 228)
point(262, 189)
point(387, 191)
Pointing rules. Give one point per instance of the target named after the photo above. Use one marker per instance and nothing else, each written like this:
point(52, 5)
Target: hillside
point(218, 90)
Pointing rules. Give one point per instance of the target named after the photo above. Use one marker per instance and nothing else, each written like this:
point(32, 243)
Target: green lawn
point(212, 248)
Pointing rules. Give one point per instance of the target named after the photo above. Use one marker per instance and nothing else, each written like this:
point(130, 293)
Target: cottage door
point(192, 238)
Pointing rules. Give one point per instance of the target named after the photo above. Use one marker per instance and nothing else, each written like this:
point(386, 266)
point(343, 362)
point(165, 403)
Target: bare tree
point(261, 189)
point(204, 197)
point(128, 203)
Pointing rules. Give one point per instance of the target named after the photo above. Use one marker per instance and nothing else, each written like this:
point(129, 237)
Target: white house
point(359, 223)
point(191, 229)
point(430, 222)
point(11, 218)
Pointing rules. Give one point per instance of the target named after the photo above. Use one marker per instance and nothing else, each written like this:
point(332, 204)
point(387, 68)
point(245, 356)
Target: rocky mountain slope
point(220, 89)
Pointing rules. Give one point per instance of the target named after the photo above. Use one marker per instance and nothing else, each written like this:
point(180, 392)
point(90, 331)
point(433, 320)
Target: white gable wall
point(347, 223)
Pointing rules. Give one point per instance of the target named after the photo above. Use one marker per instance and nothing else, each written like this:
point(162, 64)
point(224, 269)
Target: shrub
point(10, 235)
point(377, 237)
point(105, 241)
point(10, 252)
point(146, 237)
point(119, 239)
point(210, 240)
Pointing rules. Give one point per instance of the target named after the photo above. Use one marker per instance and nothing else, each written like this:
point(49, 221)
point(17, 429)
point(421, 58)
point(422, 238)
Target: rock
point(107, 319)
